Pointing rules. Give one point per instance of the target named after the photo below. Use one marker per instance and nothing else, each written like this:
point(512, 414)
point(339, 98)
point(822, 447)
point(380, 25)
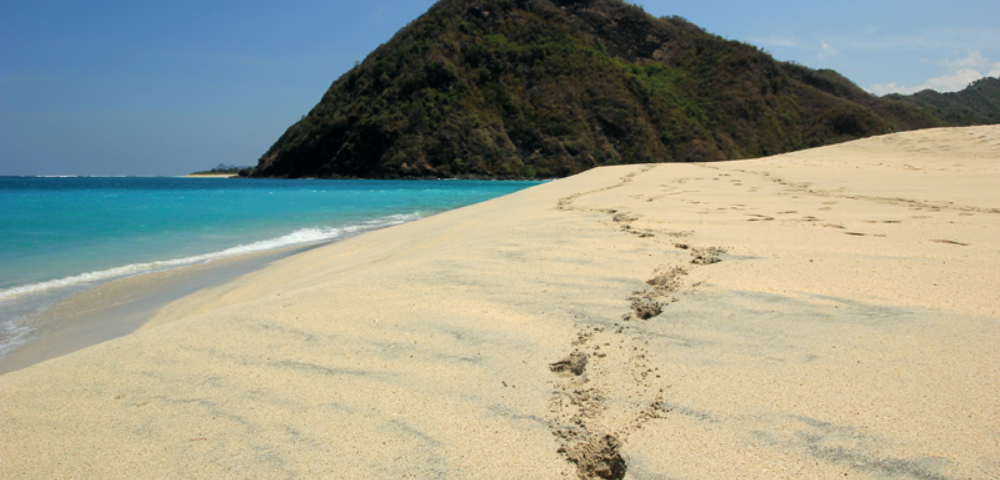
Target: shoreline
point(117, 308)
point(820, 314)
point(209, 175)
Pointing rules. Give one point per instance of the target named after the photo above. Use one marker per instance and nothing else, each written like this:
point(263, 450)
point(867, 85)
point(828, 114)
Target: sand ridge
point(821, 314)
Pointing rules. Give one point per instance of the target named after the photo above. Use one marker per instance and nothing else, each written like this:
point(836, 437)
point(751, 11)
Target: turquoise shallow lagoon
point(60, 236)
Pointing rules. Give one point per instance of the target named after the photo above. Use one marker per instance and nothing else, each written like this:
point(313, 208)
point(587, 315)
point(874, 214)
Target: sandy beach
point(831, 313)
point(117, 308)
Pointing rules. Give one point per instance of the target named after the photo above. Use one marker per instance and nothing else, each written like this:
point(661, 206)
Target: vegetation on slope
point(978, 104)
point(534, 88)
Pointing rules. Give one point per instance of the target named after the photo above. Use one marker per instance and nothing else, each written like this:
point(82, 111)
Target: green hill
point(533, 88)
point(976, 105)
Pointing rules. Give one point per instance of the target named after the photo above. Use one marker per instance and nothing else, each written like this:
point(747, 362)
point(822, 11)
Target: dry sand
point(824, 314)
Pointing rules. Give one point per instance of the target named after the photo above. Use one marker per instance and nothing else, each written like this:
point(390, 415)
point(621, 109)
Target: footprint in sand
point(951, 242)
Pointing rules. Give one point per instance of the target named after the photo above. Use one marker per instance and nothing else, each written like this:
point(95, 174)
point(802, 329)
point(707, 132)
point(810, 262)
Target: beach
point(828, 313)
point(117, 308)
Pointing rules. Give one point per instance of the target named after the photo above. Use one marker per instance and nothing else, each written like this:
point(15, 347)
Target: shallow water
point(62, 236)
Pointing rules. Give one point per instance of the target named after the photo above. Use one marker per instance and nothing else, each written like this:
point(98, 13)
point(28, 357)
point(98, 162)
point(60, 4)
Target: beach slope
point(829, 313)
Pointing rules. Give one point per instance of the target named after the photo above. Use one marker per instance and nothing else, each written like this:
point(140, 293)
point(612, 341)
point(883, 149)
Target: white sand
point(850, 329)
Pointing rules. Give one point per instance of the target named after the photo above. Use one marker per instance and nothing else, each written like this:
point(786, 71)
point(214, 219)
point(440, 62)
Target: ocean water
point(60, 236)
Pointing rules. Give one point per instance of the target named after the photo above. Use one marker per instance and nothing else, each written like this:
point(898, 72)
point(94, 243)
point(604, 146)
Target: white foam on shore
point(301, 237)
point(15, 332)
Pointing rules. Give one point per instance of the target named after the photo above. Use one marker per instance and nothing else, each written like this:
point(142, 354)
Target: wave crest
point(300, 237)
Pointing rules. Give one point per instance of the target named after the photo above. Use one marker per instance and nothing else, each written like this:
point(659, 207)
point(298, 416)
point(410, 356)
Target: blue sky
point(151, 87)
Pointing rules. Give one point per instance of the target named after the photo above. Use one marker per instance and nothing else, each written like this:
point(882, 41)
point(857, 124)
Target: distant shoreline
point(210, 175)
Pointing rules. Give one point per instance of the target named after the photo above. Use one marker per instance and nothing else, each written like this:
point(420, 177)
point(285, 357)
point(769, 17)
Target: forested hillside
point(537, 89)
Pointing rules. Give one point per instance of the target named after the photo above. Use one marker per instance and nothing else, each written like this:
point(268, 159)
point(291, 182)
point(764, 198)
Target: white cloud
point(995, 72)
point(974, 61)
point(882, 89)
point(827, 51)
point(959, 74)
point(954, 82)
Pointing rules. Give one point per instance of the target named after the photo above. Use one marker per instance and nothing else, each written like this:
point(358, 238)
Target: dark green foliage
point(534, 88)
point(222, 169)
point(976, 105)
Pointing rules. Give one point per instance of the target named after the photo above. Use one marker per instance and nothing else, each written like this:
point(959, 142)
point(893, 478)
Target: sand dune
point(822, 314)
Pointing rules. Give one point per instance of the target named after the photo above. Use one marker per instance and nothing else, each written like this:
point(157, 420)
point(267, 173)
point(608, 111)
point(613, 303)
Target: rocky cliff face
point(535, 88)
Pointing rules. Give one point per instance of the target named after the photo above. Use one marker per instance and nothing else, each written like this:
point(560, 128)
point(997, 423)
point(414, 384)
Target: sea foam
point(63, 236)
point(20, 302)
point(302, 237)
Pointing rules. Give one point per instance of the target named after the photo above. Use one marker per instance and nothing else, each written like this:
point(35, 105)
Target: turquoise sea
point(60, 236)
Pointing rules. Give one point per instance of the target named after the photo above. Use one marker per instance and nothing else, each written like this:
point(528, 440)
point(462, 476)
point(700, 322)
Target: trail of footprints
point(611, 356)
point(625, 219)
point(566, 203)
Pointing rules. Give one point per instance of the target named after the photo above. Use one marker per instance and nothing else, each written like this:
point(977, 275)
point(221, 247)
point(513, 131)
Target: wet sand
point(118, 308)
point(824, 314)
